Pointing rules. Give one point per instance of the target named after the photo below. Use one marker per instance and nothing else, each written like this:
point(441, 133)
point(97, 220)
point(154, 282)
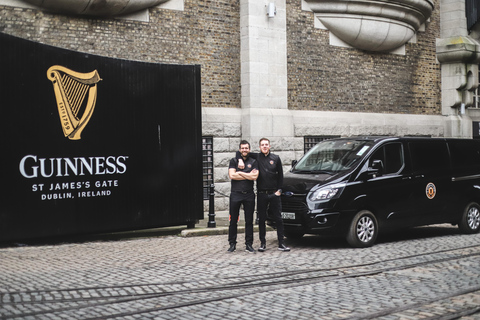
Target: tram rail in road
point(429, 272)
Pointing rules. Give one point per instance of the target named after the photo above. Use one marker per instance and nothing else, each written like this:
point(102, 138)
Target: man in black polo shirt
point(242, 193)
point(269, 190)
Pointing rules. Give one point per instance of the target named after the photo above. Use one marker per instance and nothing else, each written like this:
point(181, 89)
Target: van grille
point(294, 204)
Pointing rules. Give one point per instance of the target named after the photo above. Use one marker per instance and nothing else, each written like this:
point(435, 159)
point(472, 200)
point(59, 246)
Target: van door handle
point(419, 176)
point(407, 178)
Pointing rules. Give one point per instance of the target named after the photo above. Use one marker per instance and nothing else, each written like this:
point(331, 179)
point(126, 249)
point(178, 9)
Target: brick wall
point(320, 76)
point(328, 78)
point(205, 33)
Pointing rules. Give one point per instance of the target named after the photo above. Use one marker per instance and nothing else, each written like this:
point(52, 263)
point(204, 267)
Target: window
point(311, 141)
point(476, 96)
point(207, 157)
point(476, 130)
point(472, 12)
point(427, 156)
point(333, 156)
point(465, 154)
point(391, 156)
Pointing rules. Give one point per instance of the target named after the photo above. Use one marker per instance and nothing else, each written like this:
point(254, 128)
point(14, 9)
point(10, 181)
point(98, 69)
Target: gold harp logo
point(71, 88)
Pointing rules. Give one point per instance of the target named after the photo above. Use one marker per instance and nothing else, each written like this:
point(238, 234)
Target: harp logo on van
point(431, 191)
point(76, 95)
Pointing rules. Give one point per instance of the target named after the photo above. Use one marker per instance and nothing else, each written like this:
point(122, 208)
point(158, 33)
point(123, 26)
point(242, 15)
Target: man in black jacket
point(269, 189)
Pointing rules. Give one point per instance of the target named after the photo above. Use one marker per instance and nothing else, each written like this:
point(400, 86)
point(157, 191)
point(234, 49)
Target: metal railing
point(207, 160)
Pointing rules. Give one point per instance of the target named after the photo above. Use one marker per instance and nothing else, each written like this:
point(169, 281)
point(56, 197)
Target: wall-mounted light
point(271, 10)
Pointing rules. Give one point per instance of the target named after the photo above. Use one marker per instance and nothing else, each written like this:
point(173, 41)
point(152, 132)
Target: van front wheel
point(470, 222)
point(363, 230)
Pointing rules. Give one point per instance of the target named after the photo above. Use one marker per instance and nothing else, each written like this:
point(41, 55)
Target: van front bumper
point(316, 222)
point(319, 220)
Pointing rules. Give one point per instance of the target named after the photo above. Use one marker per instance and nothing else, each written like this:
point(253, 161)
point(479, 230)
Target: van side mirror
point(376, 168)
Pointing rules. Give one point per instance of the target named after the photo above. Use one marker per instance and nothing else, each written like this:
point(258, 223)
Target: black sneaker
point(232, 247)
point(262, 247)
point(283, 247)
point(249, 249)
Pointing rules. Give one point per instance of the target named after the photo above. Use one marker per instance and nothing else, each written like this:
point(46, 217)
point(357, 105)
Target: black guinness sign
point(95, 144)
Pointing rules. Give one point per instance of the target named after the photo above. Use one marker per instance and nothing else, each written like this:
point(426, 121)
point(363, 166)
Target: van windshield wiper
point(315, 171)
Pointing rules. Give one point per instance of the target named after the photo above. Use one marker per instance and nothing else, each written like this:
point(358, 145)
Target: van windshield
point(332, 156)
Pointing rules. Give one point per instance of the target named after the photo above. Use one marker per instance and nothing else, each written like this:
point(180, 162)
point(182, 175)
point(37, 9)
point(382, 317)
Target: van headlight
point(327, 192)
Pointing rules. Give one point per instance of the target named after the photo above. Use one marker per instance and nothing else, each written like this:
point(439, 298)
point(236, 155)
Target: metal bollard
point(211, 207)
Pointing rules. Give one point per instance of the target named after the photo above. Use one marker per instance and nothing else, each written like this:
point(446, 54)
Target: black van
point(356, 187)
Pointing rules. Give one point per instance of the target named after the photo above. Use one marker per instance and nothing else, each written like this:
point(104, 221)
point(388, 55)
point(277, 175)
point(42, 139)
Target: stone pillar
point(459, 55)
point(264, 71)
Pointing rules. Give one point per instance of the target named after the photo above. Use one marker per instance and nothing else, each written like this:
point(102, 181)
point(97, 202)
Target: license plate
point(288, 215)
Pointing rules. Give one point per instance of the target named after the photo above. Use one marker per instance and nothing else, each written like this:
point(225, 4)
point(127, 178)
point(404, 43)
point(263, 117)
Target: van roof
point(381, 138)
point(369, 138)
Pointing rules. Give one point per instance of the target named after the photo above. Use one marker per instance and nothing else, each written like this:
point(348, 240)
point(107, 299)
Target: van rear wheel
point(363, 230)
point(470, 222)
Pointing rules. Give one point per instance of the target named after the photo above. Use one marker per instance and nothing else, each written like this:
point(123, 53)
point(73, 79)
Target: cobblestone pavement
point(425, 273)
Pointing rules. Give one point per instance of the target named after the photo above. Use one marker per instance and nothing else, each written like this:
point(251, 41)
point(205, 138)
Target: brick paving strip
point(433, 274)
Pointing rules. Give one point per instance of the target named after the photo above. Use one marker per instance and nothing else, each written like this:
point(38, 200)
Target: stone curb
point(214, 231)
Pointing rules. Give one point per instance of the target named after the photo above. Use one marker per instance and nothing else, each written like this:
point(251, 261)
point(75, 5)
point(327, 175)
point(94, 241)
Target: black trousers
point(248, 201)
point(264, 201)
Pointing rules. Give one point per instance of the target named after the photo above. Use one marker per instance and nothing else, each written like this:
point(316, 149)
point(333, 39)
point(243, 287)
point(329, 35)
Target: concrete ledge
point(207, 231)
point(196, 232)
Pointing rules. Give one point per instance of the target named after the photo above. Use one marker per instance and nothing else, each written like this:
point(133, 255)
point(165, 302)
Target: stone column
point(459, 55)
point(264, 72)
